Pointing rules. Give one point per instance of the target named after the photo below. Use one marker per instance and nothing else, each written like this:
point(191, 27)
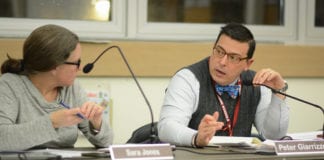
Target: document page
point(60, 152)
point(243, 144)
point(305, 135)
point(234, 141)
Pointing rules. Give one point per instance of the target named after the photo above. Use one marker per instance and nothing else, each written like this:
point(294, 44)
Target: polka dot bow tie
point(232, 90)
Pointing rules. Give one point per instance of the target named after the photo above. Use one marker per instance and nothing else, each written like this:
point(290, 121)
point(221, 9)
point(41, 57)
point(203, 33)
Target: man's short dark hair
point(240, 33)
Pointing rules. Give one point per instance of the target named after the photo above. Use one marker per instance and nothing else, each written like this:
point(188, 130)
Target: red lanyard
point(230, 125)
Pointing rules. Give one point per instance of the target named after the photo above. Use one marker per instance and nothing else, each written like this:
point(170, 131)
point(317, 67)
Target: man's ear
point(249, 63)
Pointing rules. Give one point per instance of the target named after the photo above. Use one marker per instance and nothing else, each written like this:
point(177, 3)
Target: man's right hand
point(207, 129)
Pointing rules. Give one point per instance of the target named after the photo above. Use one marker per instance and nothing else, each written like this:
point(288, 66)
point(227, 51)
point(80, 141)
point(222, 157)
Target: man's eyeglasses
point(74, 63)
point(231, 57)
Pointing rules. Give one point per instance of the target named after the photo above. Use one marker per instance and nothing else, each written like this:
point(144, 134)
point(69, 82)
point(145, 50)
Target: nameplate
point(295, 147)
point(140, 151)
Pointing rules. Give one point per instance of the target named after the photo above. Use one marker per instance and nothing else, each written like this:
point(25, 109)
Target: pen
point(67, 107)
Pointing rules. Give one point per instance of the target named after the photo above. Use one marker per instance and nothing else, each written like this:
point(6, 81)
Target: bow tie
point(232, 90)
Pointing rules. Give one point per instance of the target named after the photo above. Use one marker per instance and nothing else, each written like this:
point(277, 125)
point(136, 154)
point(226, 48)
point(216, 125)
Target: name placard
point(293, 147)
point(140, 151)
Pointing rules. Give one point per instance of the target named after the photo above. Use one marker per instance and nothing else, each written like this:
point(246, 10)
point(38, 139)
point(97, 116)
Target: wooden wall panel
point(163, 59)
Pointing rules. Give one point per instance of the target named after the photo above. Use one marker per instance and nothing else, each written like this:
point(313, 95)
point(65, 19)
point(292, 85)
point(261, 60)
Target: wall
point(163, 58)
point(155, 62)
point(130, 110)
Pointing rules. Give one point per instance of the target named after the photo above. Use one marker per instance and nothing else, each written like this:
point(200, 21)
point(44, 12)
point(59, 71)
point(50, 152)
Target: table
point(210, 153)
point(214, 153)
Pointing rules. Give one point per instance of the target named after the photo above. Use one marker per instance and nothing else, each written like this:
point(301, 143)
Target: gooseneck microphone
point(292, 97)
point(87, 68)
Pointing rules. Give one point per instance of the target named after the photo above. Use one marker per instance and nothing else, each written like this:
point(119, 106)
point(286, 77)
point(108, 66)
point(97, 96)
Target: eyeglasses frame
point(228, 54)
point(78, 63)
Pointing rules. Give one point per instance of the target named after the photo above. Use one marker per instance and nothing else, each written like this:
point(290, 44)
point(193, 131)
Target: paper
point(266, 147)
point(243, 144)
point(305, 135)
point(62, 153)
point(28, 155)
point(234, 141)
point(302, 143)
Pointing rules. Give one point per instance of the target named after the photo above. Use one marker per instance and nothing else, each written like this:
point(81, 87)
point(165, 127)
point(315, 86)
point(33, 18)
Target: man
point(196, 108)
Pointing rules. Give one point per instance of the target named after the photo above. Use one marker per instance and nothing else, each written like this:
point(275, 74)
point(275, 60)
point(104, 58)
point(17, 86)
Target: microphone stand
point(298, 99)
point(153, 136)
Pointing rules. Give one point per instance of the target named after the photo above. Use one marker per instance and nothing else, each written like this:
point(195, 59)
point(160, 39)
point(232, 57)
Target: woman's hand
point(65, 117)
point(93, 112)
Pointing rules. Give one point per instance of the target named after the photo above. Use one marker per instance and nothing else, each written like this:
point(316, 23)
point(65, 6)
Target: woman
point(36, 94)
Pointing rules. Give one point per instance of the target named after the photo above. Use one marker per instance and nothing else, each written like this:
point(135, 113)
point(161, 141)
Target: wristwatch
point(284, 89)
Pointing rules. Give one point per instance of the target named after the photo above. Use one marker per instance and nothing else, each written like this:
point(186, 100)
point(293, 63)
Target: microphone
point(87, 68)
point(249, 83)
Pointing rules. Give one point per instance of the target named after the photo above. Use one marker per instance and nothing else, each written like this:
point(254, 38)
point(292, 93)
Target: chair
point(143, 134)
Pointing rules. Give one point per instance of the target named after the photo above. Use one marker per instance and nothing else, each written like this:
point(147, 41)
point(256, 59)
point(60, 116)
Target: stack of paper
point(305, 135)
point(299, 143)
point(243, 144)
point(234, 141)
